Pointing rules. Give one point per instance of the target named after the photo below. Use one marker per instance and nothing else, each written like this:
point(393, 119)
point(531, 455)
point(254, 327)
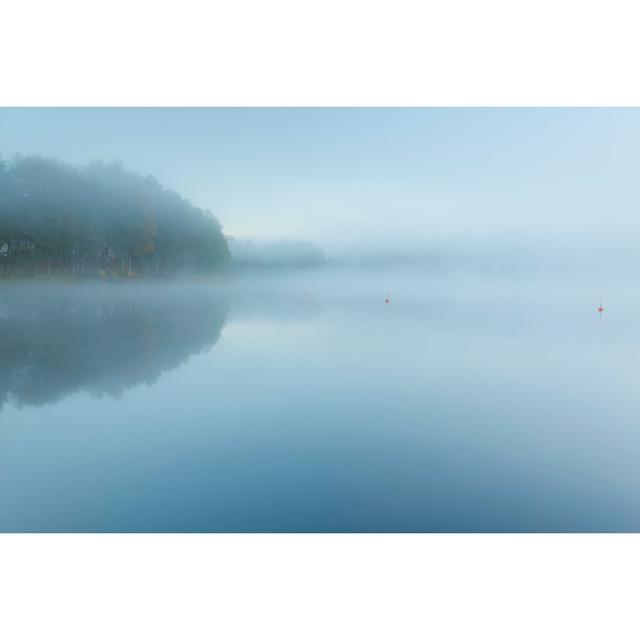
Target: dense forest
point(99, 220)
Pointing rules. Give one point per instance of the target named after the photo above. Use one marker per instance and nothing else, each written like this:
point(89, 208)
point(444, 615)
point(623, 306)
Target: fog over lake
point(492, 400)
point(319, 319)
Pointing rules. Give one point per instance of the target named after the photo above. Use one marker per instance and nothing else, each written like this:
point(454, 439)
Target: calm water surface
point(306, 404)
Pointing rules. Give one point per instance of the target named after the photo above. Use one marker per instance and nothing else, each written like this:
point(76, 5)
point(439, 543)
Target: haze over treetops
point(100, 220)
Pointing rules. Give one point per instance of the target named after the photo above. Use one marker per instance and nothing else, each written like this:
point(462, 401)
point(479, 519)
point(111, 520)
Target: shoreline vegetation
point(100, 221)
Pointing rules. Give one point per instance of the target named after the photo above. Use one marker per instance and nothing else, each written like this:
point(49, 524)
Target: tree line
point(99, 220)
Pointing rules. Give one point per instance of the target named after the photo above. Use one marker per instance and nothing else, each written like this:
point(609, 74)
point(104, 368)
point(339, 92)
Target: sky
point(376, 177)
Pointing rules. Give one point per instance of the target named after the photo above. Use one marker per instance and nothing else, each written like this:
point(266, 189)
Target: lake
point(305, 403)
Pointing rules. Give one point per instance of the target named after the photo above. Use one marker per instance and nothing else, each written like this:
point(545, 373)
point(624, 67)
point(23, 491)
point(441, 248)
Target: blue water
point(304, 403)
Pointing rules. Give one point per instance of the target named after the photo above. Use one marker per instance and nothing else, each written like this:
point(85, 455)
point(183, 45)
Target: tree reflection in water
point(57, 339)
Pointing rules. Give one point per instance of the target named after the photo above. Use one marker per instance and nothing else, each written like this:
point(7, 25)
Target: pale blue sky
point(368, 175)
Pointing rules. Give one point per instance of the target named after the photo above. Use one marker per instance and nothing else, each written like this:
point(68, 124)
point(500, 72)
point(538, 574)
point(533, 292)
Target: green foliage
point(100, 219)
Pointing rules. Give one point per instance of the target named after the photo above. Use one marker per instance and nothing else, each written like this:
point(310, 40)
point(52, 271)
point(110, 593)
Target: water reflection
point(321, 409)
point(59, 339)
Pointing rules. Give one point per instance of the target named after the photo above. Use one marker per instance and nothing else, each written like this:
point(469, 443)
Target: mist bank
point(100, 220)
point(289, 255)
point(249, 255)
point(578, 254)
